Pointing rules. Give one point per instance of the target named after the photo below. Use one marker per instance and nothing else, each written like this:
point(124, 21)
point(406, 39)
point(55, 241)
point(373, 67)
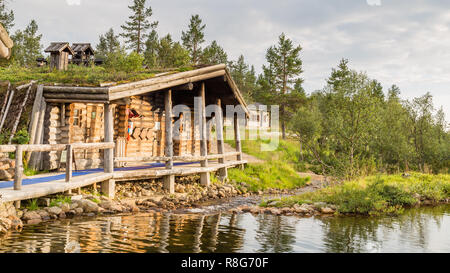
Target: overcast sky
point(403, 42)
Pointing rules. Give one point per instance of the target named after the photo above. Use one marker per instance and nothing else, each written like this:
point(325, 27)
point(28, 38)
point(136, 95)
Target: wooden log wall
point(83, 123)
point(52, 135)
point(141, 141)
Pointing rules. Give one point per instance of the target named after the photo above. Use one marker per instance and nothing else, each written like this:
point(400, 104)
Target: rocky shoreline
point(149, 196)
point(314, 209)
point(306, 210)
point(131, 197)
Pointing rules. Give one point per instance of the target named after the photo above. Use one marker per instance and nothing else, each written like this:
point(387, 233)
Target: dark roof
point(59, 47)
point(83, 47)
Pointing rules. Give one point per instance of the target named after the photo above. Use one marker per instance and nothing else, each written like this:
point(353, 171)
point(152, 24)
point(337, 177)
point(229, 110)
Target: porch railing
point(69, 148)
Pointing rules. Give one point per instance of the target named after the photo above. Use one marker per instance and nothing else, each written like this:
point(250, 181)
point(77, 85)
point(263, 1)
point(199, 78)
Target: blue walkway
point(31, 181)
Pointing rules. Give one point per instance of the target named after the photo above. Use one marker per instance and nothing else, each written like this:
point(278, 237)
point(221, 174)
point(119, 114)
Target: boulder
point(110, 205)
point(65, 207)
point(88, 206)
point(146, 192)
point(16, 223)
point(44, 214)
point(31, 215)
point(5, 224)
point(6, 175)
point(78, 211)
point(76, 198)
point(128, 194)
point(54, 210)
point(34, 221)
point(327, 210)
point(319, 205)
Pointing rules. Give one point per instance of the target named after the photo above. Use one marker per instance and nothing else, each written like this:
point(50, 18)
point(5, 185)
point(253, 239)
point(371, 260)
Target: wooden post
point(169, 129)
point(35, 117)
point(109, 135)
point(5, 101)
point(204, 177)
point(19, 168)
point(11, 96)
point(223, 174)
point(34, 161)
point(69, 159)
point(169, 183)
point(169, 180)
point(63, 114)
point(108, 187)
point(16, 122)
point(237, 137)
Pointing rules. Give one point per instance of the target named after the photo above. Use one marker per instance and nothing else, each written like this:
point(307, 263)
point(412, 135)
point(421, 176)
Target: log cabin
point(83, 54)
point(59, 55)
point(143, 119)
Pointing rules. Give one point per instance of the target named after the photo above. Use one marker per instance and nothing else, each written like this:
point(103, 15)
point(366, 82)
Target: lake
point(199, 230)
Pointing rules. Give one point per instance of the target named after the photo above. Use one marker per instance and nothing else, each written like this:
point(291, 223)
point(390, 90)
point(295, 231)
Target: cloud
point(374, 2)
point(73, 2)
point(398, 42)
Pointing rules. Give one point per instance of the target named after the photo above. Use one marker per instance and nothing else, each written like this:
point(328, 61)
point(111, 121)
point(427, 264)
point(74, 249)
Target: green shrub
point(121, 61)
point(378, 194)
point(32, 205)
point(21, 137)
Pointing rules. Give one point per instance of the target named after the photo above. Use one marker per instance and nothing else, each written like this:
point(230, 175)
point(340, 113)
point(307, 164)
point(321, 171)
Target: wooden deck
point(53, 183)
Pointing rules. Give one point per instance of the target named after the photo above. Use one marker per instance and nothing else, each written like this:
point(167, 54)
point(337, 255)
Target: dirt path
point(249, 158)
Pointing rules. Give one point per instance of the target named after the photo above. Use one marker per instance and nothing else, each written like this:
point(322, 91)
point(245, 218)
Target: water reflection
point(418, 230)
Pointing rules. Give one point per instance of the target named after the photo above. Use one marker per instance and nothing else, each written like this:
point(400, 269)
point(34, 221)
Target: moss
point(76, 75)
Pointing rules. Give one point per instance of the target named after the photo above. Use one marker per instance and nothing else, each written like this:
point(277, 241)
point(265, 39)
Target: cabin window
point(76, 117)
point(94, 115)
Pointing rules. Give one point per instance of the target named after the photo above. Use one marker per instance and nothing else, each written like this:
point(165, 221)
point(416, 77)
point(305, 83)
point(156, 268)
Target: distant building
point(84, 54)
point(259, 117)
point(59, 55)
point(40, 62)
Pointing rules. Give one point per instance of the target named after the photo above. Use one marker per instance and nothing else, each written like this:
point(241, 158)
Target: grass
point(79, 75)
point(278, 170)
point(269, 175)
point(60, 199)
point(32, 205)
point(379, 194)
point(31, 172)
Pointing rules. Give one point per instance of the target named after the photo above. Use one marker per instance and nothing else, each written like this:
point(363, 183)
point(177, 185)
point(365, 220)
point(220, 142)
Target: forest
point(350, 128)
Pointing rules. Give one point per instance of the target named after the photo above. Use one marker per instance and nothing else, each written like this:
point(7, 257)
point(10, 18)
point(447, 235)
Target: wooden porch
point(166, 167)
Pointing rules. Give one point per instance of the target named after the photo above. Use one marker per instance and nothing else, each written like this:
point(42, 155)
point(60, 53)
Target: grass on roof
point(77, 75)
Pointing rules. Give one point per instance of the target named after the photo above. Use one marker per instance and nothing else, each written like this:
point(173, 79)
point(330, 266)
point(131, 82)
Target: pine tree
point(108, 43)
point(6, 17)
point(284, 68)
point(244, 78)
point(214, 54)
point(151, 48)
point(194, 37)
point(27, 45)
point(171, 54)
point(135, 29)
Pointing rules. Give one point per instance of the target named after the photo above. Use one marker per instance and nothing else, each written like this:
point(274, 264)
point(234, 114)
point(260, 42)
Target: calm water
point(418, 230)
